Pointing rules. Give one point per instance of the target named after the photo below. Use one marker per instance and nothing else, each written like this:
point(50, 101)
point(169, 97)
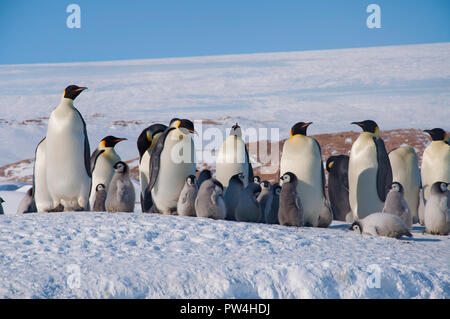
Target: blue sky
point(35, 31)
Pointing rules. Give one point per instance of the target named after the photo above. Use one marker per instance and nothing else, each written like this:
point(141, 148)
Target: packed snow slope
point(398, 86)
point(122, 255)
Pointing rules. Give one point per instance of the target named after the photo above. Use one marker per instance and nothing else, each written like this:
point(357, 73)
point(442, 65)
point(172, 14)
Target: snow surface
point(398, 86)
point(135, 255)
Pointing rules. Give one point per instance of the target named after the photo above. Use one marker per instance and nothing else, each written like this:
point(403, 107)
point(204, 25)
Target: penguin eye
point(443, 187)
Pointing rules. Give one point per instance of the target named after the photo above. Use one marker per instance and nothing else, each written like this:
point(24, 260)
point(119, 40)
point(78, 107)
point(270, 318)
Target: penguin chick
point(186, 202)
point(99, 198)
point(271, 216)
point(1, 206)
point(265, 199)
point(290, 212)
point(396, 204)
point(248, 208)
point(231, 197)
point(437, 210)
point(203, 176)
point(209, 202)
point(121, 196)
point(381, 224)
point(27, 205)
point(337, 167)
point(257, 179)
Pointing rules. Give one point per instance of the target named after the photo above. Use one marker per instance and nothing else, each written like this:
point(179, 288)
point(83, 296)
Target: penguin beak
point(81, 89)
point(307, 124)
point(193, 132)
point(120, 140)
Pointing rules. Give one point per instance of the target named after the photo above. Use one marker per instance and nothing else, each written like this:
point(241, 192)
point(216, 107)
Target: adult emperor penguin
point(145, 144)
point(27, 204)
point(435, 161)
point(103, 160)
point(381, 224)
point(41, 195)
point(437, 210)
point(233, 158)
point(231, 197)
point(172, 160)
point(396, 204)
point(209, 202)
point(68, 167)
point(369, 172)
point(186, 202)
point(405, 170)
point(337, 167)
point(290, 212)
point(121, 195)
point(302, 157)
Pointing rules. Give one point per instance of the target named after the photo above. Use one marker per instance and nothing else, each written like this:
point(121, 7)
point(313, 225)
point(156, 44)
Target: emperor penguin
point(203, 176)
point(396, 204)
point(186, 202)
point(99, 199)
point(265, 199)
point(248, 208)
point(256, 179)
point(41, 195)
point(437, 210)
point(405, 170)
point(103, 160)
point(369, 172)
point(172, 160)
point(120, 196)
point(302, 157)
point(27, 204)
point(231, 197)
point(209, 202)
point(145, 144)
point(290, 212)
point(337, 167)
point(233, 158)
point(2, 212)
point(271, 216)
point(67, 152)
point(381, 224)
point(435, 161)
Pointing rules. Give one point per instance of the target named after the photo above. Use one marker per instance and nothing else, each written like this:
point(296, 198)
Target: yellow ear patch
point(330, 165)
point(292, 134)
point(377, 130)
point(103, 144)
point(178, 124)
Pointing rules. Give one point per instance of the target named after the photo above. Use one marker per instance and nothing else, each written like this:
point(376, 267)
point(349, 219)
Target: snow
point(398, 86)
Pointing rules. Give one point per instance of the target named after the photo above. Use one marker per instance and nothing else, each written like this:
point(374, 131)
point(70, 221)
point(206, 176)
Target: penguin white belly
point(144, 171)
point(301, 156)
point(362, 177)
point(435, 166)
point(231, 160)
point(436, 220)
point(42, 197)
point(405, 170)
point(103, 172)
point(173, 171)
point(67, 179)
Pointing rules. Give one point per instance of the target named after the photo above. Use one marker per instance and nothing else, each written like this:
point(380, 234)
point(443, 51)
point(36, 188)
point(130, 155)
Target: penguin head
point(437, 134)
point(300, 128)
point(100, 187)
point(237, 178)
point(154, 129)
point(276, 189)
point(110, 141)
point(205, 174)
point(254, 188)
point(439, 187)
point(265, 185)
point(218, 186)
point(397, 187)
point(72, 91)
point(330, 163)
point(173, 122)
point(368, 126)
point(185, 125)
point(121, 167)
point(288, 178)
point(257, 179)
point(236, 130)
point(146, 139)
point(190, 180)
point(1, 200)
point(356, 226)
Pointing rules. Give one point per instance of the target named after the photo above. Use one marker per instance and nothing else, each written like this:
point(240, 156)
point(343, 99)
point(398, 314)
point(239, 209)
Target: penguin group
point(380, 193)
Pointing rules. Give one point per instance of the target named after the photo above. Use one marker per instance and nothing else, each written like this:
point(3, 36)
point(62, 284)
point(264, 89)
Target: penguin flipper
point(322, 169)
point(87, 151)
point(384, 173)
point(250, 167)
point(34, 167)
point(155, 158)
point(94, 158)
